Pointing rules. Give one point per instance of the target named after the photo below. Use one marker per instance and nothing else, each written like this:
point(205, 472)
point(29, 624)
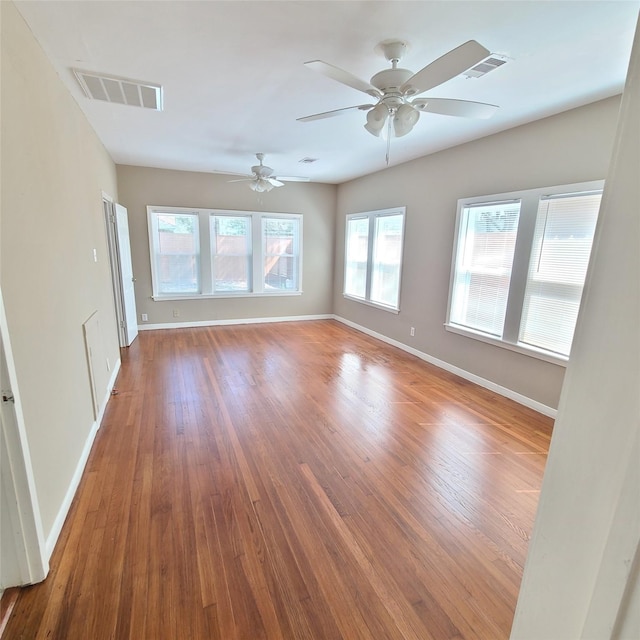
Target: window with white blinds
point(519, 267)
point(557, 269)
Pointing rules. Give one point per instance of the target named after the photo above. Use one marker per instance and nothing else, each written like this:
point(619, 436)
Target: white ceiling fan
point(395, 89)
point(262, 179)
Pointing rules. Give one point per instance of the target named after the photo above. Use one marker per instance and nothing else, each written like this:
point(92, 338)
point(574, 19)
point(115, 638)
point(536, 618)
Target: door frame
point(126, 279)
point(18, 479)
point(108, 206)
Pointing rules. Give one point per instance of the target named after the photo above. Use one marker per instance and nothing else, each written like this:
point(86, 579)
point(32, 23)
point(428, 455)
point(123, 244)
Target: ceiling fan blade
point(335, 112)
point(343, 76)
point(293, 179)
point(274, 182)
point(242, 179)
point(445, 67)
point(450, 107)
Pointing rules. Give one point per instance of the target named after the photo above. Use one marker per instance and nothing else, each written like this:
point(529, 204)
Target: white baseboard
point(54, 534)
point(215, 323)
point(472, 377)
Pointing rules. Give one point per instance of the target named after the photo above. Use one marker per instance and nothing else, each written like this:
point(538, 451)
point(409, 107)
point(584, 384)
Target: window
point(280, 255)
point(355, 280)
point(557, 270)
point(519, 267)
point(176, 252)
point(231, 240)
point(373, 257)
point(211, 253)
point(483, 265)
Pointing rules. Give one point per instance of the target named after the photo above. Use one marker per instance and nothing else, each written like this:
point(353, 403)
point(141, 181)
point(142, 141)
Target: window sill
point(532, 352)
point(227, 295)
point(371, 304)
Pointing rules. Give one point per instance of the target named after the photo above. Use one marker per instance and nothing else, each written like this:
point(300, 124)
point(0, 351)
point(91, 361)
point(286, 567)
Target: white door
point(22, 549)
point(130, 316)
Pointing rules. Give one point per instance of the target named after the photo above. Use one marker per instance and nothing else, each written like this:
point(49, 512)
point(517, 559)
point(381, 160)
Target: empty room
point(319, 319)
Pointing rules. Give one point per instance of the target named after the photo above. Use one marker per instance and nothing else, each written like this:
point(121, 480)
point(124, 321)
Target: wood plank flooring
point(293, 481)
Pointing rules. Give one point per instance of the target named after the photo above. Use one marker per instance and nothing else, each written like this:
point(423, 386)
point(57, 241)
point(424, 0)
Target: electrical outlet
point(145, 317)
point(176, 313)
point(413, 331)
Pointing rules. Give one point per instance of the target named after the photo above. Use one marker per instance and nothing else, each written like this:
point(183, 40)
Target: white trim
point(54, 534)
point(215, 323)
point(532, 352)
point(472, 377)
point(239, 294)
point(376, 305)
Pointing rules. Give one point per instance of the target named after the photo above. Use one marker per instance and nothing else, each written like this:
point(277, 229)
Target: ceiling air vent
point(120, 90)
point(489, 64)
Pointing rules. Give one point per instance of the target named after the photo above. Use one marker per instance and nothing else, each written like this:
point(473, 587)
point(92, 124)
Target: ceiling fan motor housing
point(261, 171)
point(391, 79)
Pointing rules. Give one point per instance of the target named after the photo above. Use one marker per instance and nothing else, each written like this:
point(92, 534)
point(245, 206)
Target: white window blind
point(560, 253)
point(482, 270)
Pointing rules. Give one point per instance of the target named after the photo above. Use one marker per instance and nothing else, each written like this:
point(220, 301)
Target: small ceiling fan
point(262, 179)
point(395, 89)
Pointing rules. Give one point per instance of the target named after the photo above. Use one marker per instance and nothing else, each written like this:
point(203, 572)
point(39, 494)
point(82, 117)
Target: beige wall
point(574, 146)
point(53, 172)
point(139, 187)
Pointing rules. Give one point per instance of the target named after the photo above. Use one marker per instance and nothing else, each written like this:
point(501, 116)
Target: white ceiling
point(234, 81)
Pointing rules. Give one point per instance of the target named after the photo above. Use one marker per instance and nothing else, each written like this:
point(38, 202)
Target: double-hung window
point(519, 267)
point(175, 250)
point(560, 253)
point(215, 253)
point(373, 257)
point(482, 276)
point(281, 253)
point(231, 252)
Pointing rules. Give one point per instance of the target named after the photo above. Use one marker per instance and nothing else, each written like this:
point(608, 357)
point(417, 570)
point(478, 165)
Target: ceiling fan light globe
point(376, 118)
point(404, 120)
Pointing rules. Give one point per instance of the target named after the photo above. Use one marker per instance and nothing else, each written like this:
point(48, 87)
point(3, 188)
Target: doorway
point(117, 222)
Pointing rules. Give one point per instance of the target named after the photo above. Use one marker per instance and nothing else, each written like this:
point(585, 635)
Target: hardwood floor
point(293, 480)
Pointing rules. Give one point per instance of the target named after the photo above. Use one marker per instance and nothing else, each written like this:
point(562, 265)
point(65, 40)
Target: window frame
point(207, 284)
point(529, 201)
point(372, 216)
